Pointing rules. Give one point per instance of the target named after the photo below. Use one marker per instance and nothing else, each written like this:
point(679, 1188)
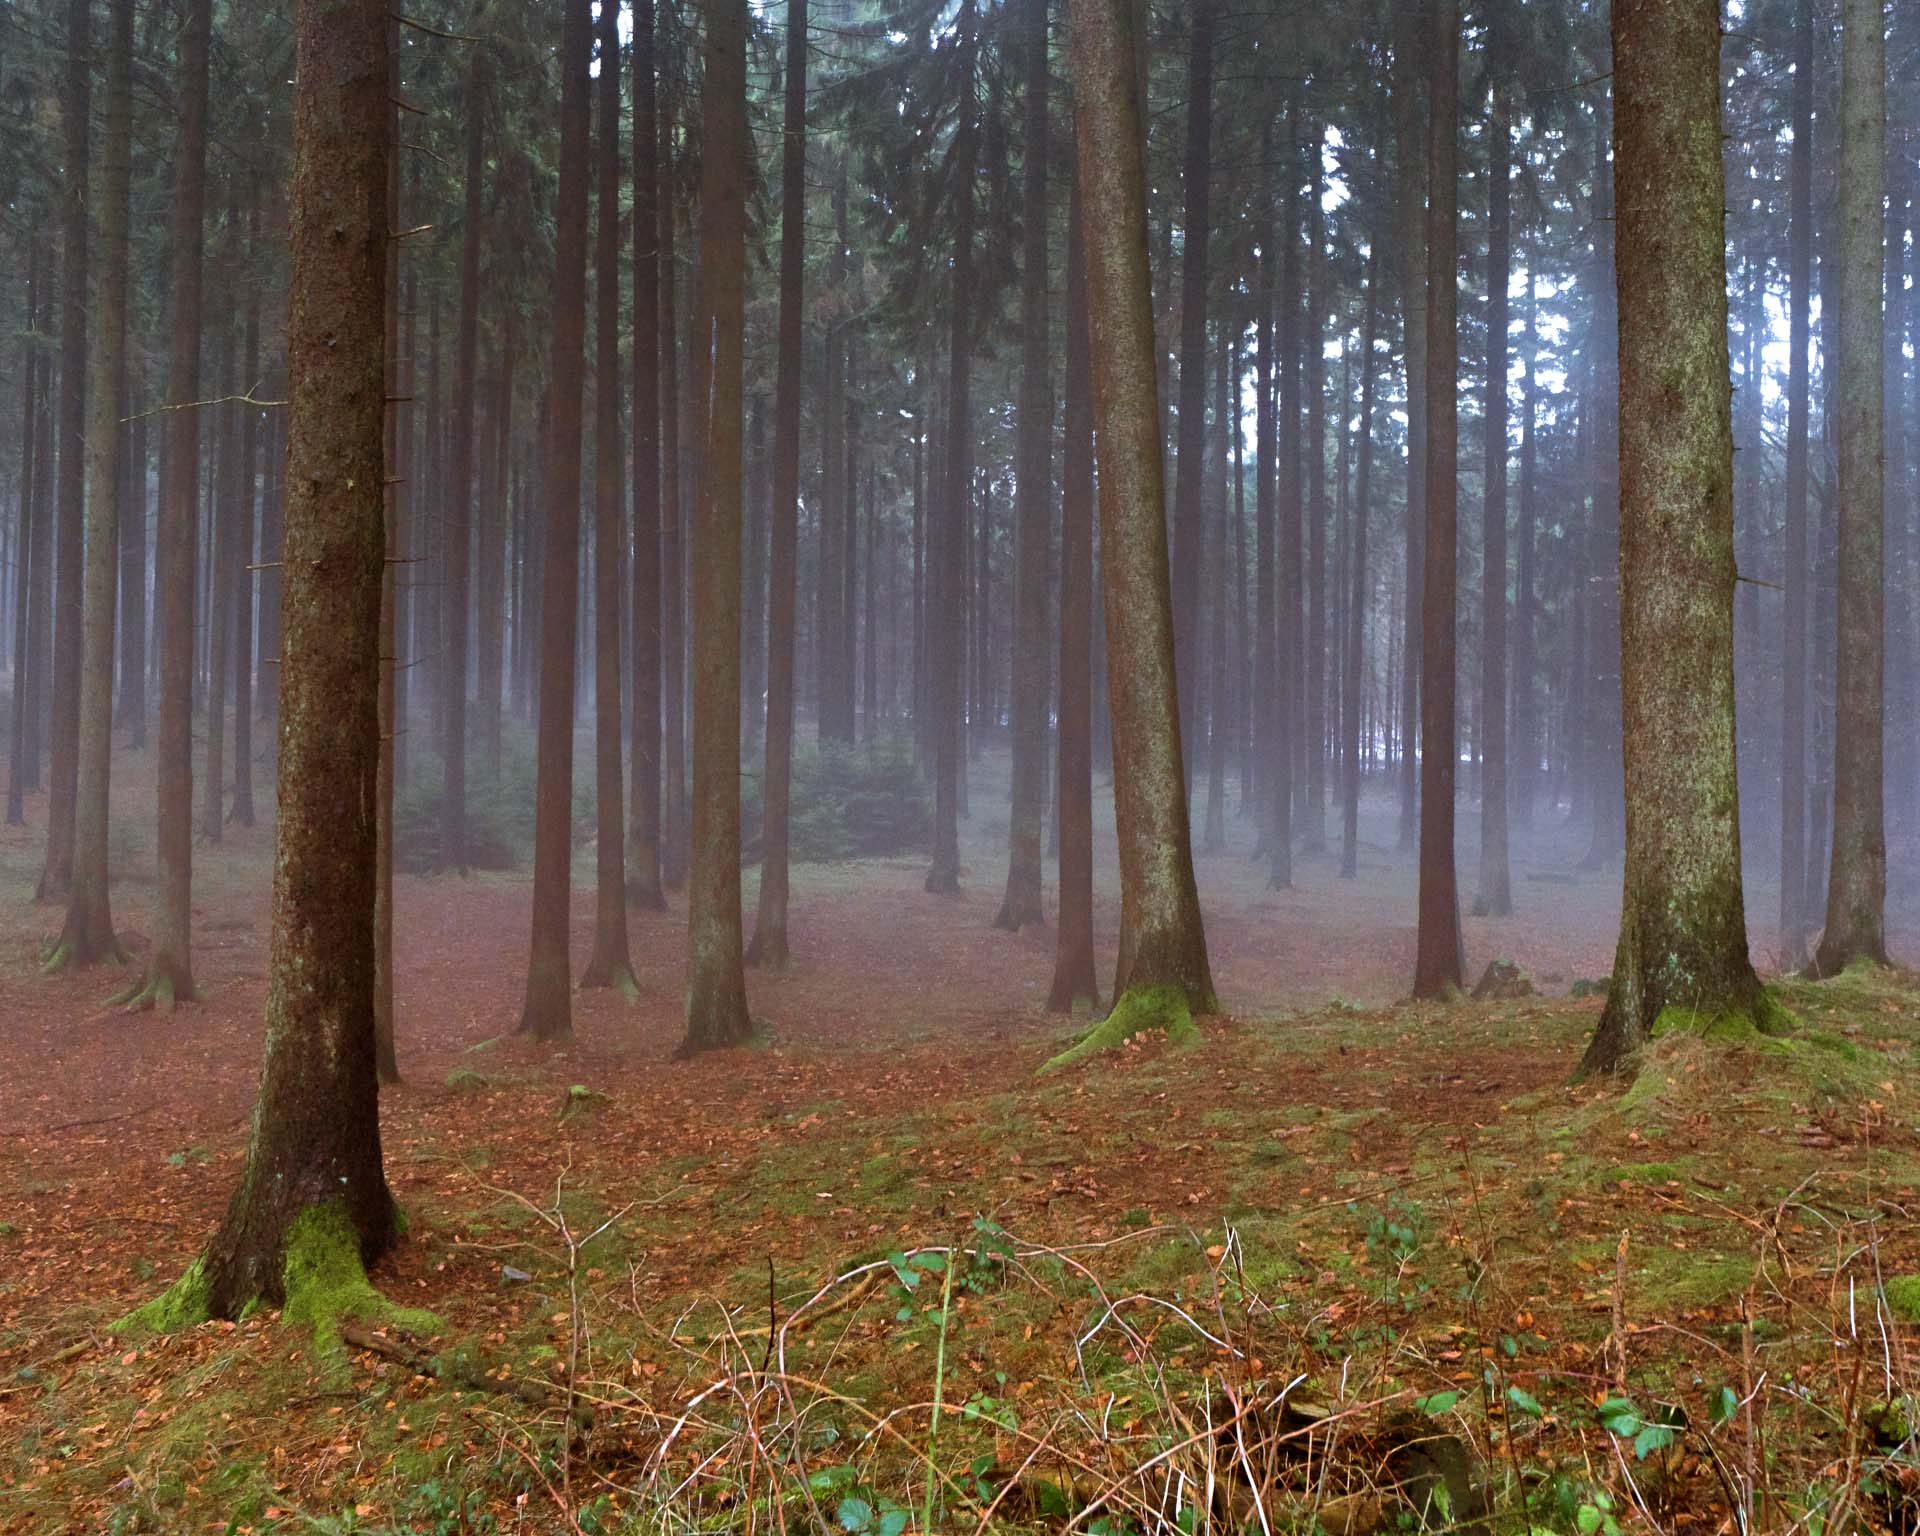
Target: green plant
point(847, 803)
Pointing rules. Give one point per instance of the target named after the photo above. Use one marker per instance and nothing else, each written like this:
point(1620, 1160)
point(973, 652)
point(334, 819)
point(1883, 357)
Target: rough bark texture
point(643, 836)
point(946, 627)
point(1074, 979)
point(394, 446)
point(241, 811)
point(87, 936)
point(1357, 576)
point(547, 1013)
point(673, 646)
point(716, 981)
point(1857, 877)
point(56, 874)
point(1793, 672)
point(459, 491)
point(1495, 896)
point(1033, 510)
point(1413, 306)
point(1189, 530)
point(316, 1126)
point(608, 965)
point(769, 948)
point(169, 977)
point(1438, 961)
point(1683, 930)
point(1163, 945)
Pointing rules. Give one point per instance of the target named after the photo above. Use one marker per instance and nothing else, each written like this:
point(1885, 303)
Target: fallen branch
point(456, 1373)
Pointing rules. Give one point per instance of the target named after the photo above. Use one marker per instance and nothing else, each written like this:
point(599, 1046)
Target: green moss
point(180, 1306)
point(465, 1080)
point(1162, 1006)
point(1903, 1297)
point(1768, 1019)
point(1672, 1280)
point(1642, 1173)
point(326, 1283)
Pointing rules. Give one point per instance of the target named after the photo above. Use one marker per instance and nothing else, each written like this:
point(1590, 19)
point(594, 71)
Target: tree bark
point(241, 811)
point(1413, 272)
point(1359, 588)
point(1857, 876)
point(1683, 934)
point(1033, 507)
point(1163, 953)
point(23, 748)
point(56, 874)
point(169, 976)
point(608, 965)
point(1495, 897)
point(770, 948)
point(673, 649)
point(1438, 963)
point(547, 1013)
point(716, 1012)
point(87, 936)
point(1189, 517)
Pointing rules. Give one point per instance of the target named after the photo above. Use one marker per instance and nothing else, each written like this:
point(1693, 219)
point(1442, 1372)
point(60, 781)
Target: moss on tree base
point(1768, 1018)
point(322, 1277)
point(1162, 1006)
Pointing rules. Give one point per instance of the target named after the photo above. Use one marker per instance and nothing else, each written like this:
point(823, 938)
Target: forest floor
point(1337, 1242)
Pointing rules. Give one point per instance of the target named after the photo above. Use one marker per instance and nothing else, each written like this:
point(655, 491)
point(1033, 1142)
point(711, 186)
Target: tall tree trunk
point(1604, 710)
point(394, 448)
point(1793, 672)
point(643, 834)
point(313, 1183)
point(56, 874)
point(608, 965)
point(1527, 744)
point(673, 646)
point(1266, 721)
point(458, 494)
point(1413, 305)
point(130, 707)
point(490, 592)
point(1358, 588)
point(1189, 516)
point(1033, 509)
point(1857, 877)
point(1219, 613)
point(946, 627)
point(1287, 559)
point(547, 1014)
point(1162, 971)
point(1438, 963)
point(769, 948)
point(169, 977)
point(1074, 979)
point(23, 745)
point(87, 936)
point(716, 981)
point(1313, 714)
point(242, 554)
point(1496, 887)
point(1683, 928)
point(221, 485)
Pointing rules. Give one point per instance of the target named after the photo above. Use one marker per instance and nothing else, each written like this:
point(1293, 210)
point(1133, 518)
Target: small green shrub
point(499, 809)
point(848, 803)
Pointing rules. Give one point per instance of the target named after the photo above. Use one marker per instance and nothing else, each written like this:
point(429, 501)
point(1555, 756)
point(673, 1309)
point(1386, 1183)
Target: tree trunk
point(1189, 517)
point(673, 649)
point(1438, 964)
point(1266, 531)
point(23, 750)
point(1496, 887)
point(313, 1180)
point(1033, 510)
point(242, 552)
point(169, 977)
point(1219, 613)
point(608, 965)
point(458, 493)
point(1413, 272)
point(1313, 714)
point(56, 874)
point(1287, 561)
point(1359, 589)
point(1857, 877)
point(221, 489)
point(1527, 744)
point(395, 448)
point(716, 1010)
point(547, 1013)
point(643, 832)
point(1074, 978)
point(490, 592)
point(87, 936)
point(1162, 971)
point(770, 948)
point(946, 627)
point(1683, 931)
point(130, 707)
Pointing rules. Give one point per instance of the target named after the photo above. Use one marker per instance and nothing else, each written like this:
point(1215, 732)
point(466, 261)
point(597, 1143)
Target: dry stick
point(1617, 1343)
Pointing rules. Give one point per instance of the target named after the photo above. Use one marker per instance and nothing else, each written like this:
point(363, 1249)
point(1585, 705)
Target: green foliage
point(1135, 1010)
point(1903, 1297)
point(846, 803)
point(326, 1283)
point(499, 830)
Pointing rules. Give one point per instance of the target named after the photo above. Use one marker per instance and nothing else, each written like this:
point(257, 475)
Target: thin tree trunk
point(1033, 510)
point(770, 948)
point(1857, 877)
point(673, 647)
point(1356, 637)
point(1189, 515)
point(87, 936)
point(1793, 673)
point(242, 550)
point(130, 708)
point(1438, 964)
point(1162, 970)
point(1496, 887)
point(169, 976)
point(716, 1010)
point(1413, 272)
point(1313, 721)
point(608, 965)
point(1219, 727)
point(1683, 932)
point(56, 874)
point(547, 1013)
point(23, 764)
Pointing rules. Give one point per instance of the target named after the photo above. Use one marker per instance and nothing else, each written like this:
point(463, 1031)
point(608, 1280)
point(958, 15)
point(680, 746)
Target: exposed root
point(160, 990)
point(1162, 1006)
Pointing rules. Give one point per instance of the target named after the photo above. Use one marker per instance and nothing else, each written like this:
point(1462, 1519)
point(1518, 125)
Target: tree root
point(157, 991)
point(73, 955)
point(1159, 1006)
